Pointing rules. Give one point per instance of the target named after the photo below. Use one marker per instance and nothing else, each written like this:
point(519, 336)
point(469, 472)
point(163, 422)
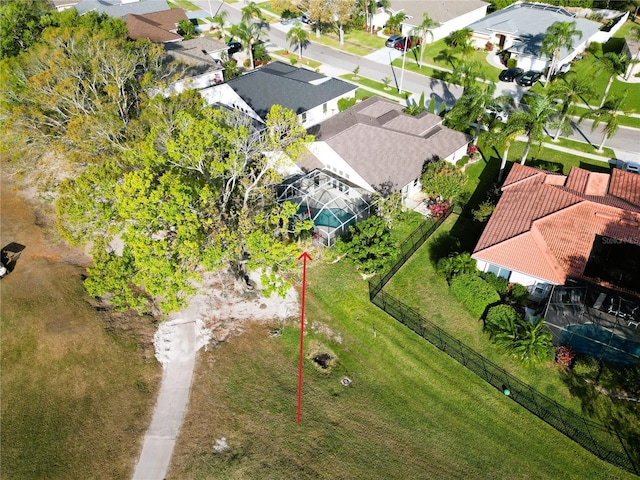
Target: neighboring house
point(159, 27)
point(61, 5)
point(202, 60)
point(520, 28)
point(120, 8)
point(312, 96)
point(375, 146)
point(632, 50)
point(451, 15)
point(549, 228)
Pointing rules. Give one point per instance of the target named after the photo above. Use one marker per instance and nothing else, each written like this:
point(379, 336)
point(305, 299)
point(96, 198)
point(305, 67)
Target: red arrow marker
point(304, 258)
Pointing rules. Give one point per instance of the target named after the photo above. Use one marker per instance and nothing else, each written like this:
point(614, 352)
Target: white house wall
point(457, 23)
point(198, 82)
point(457, 155)
point(336, 164)
point(320, 113)
point(223, 94)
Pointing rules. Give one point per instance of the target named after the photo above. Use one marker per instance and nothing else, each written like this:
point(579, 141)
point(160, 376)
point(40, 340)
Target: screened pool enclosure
point(332, 204)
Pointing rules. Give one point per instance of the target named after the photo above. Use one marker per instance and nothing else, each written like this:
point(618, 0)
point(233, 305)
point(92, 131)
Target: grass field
point(77, 388)
point(411, 411)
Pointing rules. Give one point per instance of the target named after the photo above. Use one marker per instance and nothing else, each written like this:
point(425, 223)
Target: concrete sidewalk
point(171, 404)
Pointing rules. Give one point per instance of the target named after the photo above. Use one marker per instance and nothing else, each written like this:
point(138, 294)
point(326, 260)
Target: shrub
point(565, 356)
point(500, 284)
point(586, 367)
point(293, 61)
point(439, 209)
point(345, 103)
point(489, 47)
point(517, 294)
point(456, 264)
point(442, 179)
point(512, 63)
point(474, 293)
point(483, 212)
point(502, 319)
point(368, 244)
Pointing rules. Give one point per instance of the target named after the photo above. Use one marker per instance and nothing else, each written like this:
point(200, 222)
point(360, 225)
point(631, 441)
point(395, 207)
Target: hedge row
point(474, 293)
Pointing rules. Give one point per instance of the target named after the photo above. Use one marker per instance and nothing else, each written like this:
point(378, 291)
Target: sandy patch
point(220, 310)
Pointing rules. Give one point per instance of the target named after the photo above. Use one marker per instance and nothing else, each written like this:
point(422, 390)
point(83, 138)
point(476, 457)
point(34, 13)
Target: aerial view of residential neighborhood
point(319, 239)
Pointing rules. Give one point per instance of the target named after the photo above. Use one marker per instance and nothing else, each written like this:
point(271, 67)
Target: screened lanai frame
point(332, 204)
point(596, 321)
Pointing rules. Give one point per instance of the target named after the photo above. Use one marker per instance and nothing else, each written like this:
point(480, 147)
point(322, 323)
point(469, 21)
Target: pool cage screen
point(596, 322)
point(332, 204)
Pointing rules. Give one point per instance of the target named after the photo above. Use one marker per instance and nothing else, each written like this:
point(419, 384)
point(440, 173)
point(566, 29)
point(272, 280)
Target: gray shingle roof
point(297, 89)
point(386, 146)
point(115, 8)
point(529, 22)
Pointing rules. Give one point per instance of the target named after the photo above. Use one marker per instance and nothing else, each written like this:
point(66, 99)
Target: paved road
point(376, 66)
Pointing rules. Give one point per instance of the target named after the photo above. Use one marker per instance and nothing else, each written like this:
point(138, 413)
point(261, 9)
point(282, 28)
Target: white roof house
point(520, 28)
point(451, 15)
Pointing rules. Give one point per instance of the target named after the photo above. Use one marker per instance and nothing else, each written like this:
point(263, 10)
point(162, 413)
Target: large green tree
point(443, 179)
point(471, 108)
point(249, 34)
point(194, 192)
point(77, 89)
point(21, 23)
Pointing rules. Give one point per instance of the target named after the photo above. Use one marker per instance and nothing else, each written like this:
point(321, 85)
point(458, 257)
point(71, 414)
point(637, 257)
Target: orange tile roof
point(547, 230)
point(625, 185)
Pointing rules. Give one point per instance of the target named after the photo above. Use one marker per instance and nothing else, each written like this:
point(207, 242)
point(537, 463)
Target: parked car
point(497, 112)
point(528, 78)
point(306, 18)
point(632, 167)
point(408, 43)
point(234, 47)
point(290, 21)
point(3, 270)
point(510, 74)
point(392, 40)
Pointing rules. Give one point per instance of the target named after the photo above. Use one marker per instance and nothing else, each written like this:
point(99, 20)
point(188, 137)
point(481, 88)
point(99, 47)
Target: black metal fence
point(606, 443)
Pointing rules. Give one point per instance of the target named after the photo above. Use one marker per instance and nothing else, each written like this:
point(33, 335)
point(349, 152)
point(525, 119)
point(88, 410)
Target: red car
point(407, 43)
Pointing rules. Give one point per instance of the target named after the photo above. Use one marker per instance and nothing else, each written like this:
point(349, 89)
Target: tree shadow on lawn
point(598, 406)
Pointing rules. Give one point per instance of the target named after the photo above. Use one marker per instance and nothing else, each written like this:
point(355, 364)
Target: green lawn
point(78, 386)
point(377, 86)
point(411, 411)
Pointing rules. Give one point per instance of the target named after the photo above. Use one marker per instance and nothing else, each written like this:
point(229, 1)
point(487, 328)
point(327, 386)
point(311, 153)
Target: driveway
point(385, 55)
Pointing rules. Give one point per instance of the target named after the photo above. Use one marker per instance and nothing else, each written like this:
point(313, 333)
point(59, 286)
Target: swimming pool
point(598, 342)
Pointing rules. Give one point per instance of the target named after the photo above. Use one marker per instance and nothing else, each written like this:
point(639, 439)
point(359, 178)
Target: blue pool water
point(598, 342)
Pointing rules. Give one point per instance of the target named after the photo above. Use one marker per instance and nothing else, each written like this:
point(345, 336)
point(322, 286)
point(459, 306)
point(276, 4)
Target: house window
point(304, 116)
point(499, 271)
point(324, 108)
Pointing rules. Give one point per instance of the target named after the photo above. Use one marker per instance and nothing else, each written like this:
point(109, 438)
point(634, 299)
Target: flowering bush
point(565, 356)
point(472, 151)
point(438, 209)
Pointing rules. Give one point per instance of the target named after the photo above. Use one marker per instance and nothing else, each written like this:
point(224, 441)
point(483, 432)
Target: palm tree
point(415, 109)
point(466, 72)
point(609, 115)
point(251, 11)
point(503, 137)
point(249, 34)
point(395, 21)
point(568, 90)
point(220, 19)
point(533, 341)
point(298, 36)
point(614, 64)
point(558, 35)
point(425, 28)
point(540, 109)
